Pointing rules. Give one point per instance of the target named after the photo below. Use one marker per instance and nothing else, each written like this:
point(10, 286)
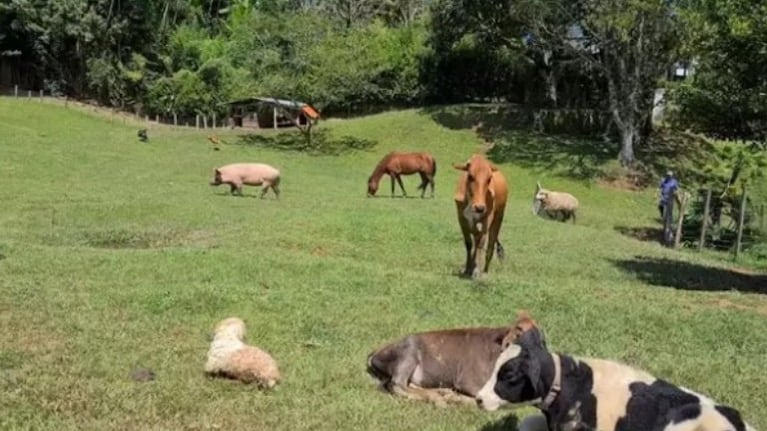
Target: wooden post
point(204, 121)
point(175, 119)
point(741, 216)
point(197, 121)
point(15, 91)
point(274, 117)
point(41, 95)
point(704, 225)
point(29, 94)
point(678, 236)
point(146, 117)
point(214, 121)
point(668, 220)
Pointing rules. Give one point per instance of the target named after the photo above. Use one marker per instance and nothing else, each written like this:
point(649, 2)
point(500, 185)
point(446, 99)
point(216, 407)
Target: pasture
point(117, 254)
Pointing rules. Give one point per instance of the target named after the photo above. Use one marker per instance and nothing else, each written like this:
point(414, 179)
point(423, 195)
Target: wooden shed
point(271, 113)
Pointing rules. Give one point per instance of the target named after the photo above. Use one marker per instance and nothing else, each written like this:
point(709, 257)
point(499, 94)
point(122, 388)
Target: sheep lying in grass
point(230, 357)
point(556, 205)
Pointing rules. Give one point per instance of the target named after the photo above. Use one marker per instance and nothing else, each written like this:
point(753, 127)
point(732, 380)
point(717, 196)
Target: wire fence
point(198, 121)
point(719, 220)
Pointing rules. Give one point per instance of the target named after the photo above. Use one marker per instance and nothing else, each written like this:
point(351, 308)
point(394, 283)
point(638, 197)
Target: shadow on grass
point(690, 276)
point(513, 140)
point(321, 143)
point(573, 145)
point(508, 423)
point(644, 233)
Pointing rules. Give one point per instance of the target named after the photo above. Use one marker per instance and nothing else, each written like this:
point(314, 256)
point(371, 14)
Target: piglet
point(252, 174)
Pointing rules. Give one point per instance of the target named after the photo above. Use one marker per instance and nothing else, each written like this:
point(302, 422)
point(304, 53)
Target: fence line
point(211, 122)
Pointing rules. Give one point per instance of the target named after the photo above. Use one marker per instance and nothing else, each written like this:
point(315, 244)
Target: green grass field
point(116, 254)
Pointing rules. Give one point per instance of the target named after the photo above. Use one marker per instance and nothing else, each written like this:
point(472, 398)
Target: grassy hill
point(116, 254)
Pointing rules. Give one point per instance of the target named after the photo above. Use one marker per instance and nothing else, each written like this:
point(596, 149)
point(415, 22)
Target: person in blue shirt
point(668, 188)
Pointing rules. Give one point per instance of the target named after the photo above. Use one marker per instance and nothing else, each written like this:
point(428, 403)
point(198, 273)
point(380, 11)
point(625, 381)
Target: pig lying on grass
point(251, 174)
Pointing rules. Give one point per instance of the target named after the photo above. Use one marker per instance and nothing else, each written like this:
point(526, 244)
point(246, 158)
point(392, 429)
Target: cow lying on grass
point(443, 366)
point(593, 394)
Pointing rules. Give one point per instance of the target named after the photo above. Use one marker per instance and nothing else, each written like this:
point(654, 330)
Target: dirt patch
point(116, 239)
point(621, 183)
point(642, 233)
point(319, 251)
point(760, 309)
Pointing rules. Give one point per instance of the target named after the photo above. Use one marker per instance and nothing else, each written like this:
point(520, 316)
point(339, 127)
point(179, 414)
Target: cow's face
point(516, 377)
point(479, 175)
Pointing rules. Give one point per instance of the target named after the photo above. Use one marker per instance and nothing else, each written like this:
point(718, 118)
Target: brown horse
point(480, 199)
point(395, 164)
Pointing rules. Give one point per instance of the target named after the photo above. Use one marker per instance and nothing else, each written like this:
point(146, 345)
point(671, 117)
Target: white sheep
point(557, 205)
point(230, 357)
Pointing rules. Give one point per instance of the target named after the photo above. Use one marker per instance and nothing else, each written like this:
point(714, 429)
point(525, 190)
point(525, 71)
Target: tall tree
point(631, 43)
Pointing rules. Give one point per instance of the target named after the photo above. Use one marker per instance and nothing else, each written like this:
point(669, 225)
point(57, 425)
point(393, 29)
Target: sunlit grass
point(117, 254)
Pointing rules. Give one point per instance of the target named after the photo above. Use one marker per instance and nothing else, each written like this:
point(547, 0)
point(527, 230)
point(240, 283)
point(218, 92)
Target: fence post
point(204, 121)
point(16, 91)
point(157, 118)
point(668, 220)
point(274, 118)
point(175, 119)
point(741, 216)
point(678, 236)
point(29, 94)
point(214, 121)
point(41, 95)
point(197, 121)
point(704, 225)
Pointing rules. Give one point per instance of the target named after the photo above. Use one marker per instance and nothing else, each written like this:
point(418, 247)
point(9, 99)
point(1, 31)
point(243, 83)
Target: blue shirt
point(667, 188)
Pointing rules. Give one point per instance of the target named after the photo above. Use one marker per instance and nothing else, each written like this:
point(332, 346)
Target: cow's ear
point(217, 171)
point(493, 167)
point(461, 166)
point(499, 339)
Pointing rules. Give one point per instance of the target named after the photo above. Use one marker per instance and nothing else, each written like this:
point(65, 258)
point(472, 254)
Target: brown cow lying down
point(443, 366)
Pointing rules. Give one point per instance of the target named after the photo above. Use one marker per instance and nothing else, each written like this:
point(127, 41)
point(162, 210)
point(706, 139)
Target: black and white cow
point(591, 394)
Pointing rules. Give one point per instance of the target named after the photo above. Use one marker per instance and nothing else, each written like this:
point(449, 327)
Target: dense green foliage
point(727, 95)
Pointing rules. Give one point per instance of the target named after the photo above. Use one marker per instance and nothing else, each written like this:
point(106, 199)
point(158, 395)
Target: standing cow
point(251, 174)
point(480, 199)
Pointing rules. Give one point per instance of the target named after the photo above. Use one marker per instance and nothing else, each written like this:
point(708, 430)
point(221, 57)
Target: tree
point(726, 96)
point(631, 44)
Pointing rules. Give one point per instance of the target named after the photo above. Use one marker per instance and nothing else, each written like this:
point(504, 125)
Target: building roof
point(307, 109)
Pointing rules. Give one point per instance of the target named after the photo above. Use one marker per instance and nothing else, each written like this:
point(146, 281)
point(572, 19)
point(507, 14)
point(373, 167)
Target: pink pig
point(252, 174)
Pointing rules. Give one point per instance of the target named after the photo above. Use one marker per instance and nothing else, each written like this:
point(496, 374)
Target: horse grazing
point(480, 199)
point(395, 164)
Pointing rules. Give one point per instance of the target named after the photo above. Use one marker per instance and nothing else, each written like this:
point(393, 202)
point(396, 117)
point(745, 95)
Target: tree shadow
point(690, 276)
point(643, 233)
point(507, 423)
point(321, 143)
point(569, 148)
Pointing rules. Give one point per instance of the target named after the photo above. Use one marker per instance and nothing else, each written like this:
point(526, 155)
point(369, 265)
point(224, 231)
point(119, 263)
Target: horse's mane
point(378, 170)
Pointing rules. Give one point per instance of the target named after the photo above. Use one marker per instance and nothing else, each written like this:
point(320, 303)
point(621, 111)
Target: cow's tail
point(433, 167)
point(499, 250)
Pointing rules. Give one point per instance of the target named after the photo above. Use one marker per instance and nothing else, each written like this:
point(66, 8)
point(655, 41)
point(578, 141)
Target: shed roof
point(307, 109)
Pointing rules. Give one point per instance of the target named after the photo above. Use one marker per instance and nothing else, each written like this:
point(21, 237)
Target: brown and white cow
point(442, 366)
point(480, 199)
